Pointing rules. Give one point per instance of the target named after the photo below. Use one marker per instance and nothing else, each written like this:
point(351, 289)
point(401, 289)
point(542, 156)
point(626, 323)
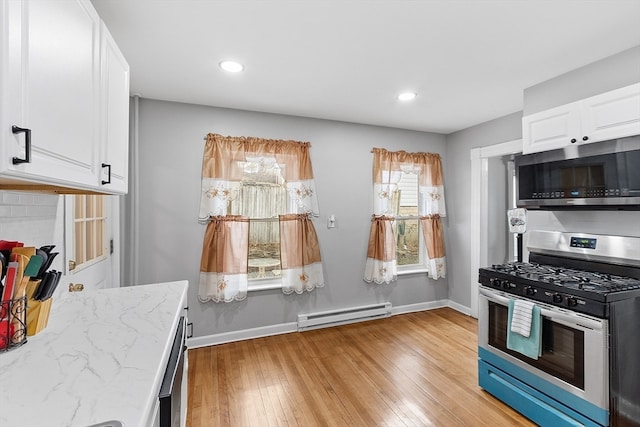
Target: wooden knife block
point(37, 315)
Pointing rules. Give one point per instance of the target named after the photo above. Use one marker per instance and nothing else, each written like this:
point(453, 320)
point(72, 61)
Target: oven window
point(562, 346)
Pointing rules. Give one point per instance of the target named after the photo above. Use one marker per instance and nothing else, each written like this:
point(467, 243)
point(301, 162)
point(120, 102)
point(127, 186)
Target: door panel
point(88, 237)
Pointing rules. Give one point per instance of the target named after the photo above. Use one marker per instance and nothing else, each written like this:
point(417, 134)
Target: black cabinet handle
point(108, 166)
point(585, 138)
point(27, 145)
point(573, 140)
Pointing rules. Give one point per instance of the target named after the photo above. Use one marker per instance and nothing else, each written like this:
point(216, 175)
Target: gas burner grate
point(597, 282)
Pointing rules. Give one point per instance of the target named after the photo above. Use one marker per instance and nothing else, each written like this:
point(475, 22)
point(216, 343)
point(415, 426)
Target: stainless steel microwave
point(601, 175)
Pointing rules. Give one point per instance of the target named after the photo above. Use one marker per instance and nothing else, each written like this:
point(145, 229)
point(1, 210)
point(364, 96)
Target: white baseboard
point(459, 307)
point(285, 328)
point(422, 306)
point(244, 334)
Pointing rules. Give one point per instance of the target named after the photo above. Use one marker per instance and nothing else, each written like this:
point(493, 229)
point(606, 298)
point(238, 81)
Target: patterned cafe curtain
point(223, 266)
point(381, 266)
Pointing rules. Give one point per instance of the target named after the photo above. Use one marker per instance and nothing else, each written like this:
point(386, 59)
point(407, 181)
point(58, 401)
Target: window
point(408, 203)
point(89, 229)
point(258, 196)
point(262, 197)
point(406, 226)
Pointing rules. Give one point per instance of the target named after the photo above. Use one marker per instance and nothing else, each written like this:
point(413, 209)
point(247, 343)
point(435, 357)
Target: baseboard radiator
point(343, 316)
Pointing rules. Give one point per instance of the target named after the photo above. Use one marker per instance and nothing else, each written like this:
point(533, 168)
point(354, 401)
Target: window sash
point(420, 265)
point(89, 224)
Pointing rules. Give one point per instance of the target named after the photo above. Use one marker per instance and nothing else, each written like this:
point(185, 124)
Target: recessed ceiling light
point(231, 66)
point(407, 96)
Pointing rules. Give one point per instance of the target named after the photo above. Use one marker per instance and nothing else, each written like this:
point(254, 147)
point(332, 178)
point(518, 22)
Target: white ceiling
point(468, 60)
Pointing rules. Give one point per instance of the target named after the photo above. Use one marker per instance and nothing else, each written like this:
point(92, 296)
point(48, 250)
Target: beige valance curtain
point(223, 267)
point(388, 167)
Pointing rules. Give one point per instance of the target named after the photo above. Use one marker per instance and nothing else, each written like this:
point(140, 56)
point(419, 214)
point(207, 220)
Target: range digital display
point(583, 242)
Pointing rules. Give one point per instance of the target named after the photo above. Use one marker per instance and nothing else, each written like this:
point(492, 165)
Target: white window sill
point(412, 271)
point(262, 285)
point(269, 285)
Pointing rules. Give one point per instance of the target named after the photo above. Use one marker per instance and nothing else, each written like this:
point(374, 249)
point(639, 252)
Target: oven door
point(573, 367)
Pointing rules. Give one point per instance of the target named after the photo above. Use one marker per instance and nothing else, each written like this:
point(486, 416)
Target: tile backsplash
point(33, 218)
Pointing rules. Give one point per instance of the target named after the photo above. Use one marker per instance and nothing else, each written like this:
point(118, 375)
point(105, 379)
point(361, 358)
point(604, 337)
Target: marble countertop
point(101, 358)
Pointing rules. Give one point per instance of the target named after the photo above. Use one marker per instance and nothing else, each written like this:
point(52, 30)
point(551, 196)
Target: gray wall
point(497, 233)
point(458, 187)
point(607, 74)
point(170, 153)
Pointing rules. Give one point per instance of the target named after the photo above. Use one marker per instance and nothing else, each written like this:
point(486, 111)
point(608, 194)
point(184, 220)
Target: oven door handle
point(568, 319)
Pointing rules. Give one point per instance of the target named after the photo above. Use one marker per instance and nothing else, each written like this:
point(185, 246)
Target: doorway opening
point(492, 188)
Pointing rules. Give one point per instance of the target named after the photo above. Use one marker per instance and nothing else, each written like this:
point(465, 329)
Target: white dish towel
point(521, 318)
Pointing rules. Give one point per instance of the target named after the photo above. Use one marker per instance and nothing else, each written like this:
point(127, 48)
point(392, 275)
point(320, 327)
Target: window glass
point(89, 228)
point(262, 197)
point(407, 224)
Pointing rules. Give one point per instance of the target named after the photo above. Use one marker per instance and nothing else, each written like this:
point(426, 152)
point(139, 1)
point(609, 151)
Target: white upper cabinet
point(611, 115)
point(550, 129)
point(57, 126)
point(115, 116)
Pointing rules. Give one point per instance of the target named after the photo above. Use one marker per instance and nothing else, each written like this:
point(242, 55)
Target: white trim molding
point(241, 335)
point(480, 207)
point(285, 328)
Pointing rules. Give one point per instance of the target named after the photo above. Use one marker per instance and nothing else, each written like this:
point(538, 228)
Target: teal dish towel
point(530, 346)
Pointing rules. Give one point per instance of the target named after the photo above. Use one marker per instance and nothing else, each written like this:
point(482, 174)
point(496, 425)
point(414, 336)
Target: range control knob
point(572, 301)
point(496, 283)
point(530, 290)
point(557, 298)
point(507, 285)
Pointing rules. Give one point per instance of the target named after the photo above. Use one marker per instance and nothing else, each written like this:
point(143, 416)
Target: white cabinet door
point(52, 84)
point(551, 129)
point(115, 116)
point(611, 115)
point(615, 114)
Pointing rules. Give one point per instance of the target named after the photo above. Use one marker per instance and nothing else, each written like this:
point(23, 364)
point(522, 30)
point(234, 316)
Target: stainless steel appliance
point(598, 175)
point(587, 290)
point(172, 391)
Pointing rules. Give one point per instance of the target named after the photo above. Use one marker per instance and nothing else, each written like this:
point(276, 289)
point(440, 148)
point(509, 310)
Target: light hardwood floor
point(417, 369)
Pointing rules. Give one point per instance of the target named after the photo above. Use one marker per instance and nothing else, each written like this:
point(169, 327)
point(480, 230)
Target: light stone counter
point(101, 357)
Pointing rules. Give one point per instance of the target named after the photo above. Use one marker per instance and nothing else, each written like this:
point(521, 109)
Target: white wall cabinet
point(611, 115)
point(65, 83)
point(114, 115)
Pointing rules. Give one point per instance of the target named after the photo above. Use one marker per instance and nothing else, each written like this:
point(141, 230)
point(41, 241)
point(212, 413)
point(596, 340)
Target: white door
point(89, 241)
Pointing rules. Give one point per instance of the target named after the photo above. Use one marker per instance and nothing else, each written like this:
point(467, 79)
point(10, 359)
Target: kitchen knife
point(54, 284)
point(48, 285)
point(44, 285)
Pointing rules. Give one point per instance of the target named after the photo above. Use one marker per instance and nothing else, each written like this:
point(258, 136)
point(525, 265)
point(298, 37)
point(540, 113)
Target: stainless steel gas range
point(580, 362)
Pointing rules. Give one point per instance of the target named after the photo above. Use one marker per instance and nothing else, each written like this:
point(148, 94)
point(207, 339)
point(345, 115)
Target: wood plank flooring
point(417, 369)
